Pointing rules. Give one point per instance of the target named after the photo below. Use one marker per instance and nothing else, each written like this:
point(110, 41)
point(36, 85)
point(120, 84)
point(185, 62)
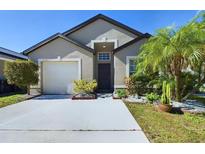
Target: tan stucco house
point(99, 48)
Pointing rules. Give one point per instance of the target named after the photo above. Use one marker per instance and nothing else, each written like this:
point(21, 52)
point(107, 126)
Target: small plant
point(82, 86)
point(166, 94)
point(121, 93)
point(152, 97)
point(131, 85)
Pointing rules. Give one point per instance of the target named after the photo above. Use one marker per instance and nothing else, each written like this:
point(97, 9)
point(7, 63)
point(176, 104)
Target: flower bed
point(84, 96)
point(84, 89)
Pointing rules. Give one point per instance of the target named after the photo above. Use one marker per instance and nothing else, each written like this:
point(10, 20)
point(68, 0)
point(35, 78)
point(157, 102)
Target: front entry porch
point(104, 66)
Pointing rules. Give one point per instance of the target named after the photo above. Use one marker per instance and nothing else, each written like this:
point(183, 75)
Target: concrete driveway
point(60, 119)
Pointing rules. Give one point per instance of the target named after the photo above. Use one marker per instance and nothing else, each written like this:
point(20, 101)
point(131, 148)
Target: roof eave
point(146, 35)
point(12, 53)
point(47, 40)
point(51, 38)
point(13, 56)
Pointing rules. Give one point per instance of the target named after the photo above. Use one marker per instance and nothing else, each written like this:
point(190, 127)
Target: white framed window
point(130, 65)
point(103, 56)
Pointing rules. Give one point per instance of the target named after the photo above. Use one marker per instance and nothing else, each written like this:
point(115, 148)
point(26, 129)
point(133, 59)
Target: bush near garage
point(22, 73)
point(83, 86)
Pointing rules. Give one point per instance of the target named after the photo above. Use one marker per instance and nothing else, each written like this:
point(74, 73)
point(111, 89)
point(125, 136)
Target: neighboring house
point(99, 48)
point(7, 55)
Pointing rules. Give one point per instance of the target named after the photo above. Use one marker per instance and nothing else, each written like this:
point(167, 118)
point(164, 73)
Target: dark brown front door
point(104, 76)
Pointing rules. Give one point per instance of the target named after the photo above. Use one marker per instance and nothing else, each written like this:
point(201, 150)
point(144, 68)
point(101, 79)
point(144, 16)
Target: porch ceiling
point(104, 46)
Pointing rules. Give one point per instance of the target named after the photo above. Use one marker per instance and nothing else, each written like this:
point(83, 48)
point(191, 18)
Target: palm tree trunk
point(178, 87)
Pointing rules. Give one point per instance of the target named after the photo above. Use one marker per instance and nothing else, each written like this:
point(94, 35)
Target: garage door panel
point(58, 77)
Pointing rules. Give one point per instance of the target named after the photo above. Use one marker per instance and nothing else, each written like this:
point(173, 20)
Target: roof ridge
point(106, 18)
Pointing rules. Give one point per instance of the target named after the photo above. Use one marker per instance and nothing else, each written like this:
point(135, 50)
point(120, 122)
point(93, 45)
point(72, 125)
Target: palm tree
point(172, 50)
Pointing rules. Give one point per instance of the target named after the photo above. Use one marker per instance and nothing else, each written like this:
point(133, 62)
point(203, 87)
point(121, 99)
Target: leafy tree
point(172, 50)
point(22, 73)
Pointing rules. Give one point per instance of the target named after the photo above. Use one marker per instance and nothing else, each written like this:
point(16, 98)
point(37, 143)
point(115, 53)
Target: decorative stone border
point(191, 111)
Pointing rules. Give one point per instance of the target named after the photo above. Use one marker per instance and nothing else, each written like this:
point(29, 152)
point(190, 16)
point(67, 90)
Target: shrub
point(22, 73)
point(138, 84)
point(131, 85)
point(121, 93)
point(188, 83)
point(202, 88)
point(152, 97)
point(82, 86)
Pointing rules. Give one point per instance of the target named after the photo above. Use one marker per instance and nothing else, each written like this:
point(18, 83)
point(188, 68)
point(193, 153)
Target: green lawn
point(11, 99)
point(163, 127)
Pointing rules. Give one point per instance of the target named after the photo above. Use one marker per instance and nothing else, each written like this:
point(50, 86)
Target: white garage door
point(58, 76)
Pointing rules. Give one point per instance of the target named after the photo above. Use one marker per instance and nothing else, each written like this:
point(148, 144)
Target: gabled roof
point(103, 17)
point(11, 53)
point(53, 37)
point(146, 35)
point(99, 16)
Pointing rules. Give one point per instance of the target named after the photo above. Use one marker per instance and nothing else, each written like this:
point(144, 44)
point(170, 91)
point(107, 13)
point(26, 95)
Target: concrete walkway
point(60, 119)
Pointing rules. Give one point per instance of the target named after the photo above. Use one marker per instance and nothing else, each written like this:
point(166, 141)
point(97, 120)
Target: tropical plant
point(121, 93)
point(157, 81)
point(199, 77)
point(166, 94)
point(22, 73)
point(172, 50)
point(83, 86)
point(152, 97)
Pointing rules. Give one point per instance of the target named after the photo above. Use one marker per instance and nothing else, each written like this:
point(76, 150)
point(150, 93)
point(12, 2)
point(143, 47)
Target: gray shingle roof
point(12, 53)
